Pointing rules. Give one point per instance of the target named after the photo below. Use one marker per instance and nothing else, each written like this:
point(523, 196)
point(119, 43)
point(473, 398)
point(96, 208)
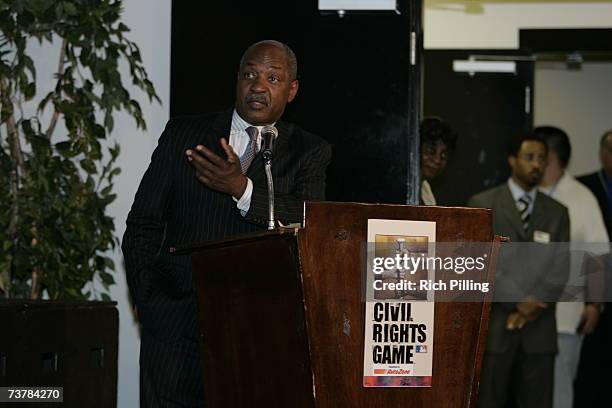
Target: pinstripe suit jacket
point(173, 208)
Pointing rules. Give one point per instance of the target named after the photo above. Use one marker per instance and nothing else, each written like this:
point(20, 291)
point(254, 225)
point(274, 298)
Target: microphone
point(268, 134)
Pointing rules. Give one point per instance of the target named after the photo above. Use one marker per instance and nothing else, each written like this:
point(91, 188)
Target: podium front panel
point(331, 249)
point(251, 323)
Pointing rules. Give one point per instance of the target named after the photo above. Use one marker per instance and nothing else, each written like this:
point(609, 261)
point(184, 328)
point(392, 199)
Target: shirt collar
point(240, 124)
point(518, 192)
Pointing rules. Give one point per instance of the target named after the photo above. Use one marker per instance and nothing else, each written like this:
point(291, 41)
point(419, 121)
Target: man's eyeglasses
point(541, 159)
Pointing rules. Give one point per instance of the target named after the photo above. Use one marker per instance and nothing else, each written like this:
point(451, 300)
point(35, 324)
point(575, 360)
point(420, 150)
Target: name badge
point(541, 237)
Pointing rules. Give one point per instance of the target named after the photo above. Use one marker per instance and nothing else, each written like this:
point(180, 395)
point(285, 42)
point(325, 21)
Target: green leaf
point(108, 122)
point(105, 297)
point(89, 166)
point(63, 147)
point(29, 91)
point(29, 63)
point(44, 101)
point(109, 263)
point(73, 293)
point(106, 191)
point(26, 125)
point(59, 10)
point(38, 6)
point(108, 199)
point(66, 149)
point(114, 151)
point(4, 282)
point(70, 9)
point(25, 18)
point(6, 111)
point(84, 56)
point(106, 278)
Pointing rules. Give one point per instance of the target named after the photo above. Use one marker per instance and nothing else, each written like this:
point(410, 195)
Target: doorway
point(563, 77)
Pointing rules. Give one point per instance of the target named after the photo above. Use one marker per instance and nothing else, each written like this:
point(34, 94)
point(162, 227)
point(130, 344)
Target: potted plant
point(57, 164)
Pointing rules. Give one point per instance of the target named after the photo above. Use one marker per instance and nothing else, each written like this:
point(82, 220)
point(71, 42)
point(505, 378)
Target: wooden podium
point(281, 314)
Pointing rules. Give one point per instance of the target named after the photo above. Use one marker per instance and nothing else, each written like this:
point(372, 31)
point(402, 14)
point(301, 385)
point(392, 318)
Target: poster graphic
point(399, 319)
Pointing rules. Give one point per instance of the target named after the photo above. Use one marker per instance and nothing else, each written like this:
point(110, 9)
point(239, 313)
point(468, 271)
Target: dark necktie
point(251, 149)
point(523, 207)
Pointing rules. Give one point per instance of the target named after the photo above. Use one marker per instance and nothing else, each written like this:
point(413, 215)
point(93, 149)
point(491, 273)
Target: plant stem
point(12, 228)
point(17, 174)
point(60, 71)
point(19, 170)
point(35, 293)
point(15, 148)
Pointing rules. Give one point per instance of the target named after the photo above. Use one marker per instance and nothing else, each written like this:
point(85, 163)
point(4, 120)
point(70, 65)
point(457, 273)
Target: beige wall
point(578, 101)
point(495, 23)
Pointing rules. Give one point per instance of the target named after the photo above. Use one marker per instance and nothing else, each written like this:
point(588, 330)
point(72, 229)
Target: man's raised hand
point(223, 175)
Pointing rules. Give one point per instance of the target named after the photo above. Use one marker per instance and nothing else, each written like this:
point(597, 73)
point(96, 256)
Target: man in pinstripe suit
point(196, 190)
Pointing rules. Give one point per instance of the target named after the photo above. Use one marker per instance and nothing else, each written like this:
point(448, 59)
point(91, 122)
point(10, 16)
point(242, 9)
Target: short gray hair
point(291, 59)
point(604, 137)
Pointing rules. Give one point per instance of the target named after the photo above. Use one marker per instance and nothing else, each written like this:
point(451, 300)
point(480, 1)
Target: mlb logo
point(421, 349)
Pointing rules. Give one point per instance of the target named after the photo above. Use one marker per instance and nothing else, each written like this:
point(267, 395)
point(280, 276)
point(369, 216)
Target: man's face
point(434, 158)
point(605, 154)
point(529, 164)
point(264, 85)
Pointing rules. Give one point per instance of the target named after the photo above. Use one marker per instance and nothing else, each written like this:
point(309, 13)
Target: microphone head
point(269, 130)
point(268, 135)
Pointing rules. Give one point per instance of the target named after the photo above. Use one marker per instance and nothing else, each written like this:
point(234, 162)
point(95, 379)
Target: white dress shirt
point(518, 192)
point(586, 226)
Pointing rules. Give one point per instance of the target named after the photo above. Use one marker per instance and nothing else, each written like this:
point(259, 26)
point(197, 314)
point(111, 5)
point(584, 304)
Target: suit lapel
point(538, 215)
point(511, 213)
point(282, 143)
point(220, 128)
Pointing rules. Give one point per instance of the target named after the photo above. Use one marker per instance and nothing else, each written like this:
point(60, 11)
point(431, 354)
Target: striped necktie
point(523, 207)
point(251, 149)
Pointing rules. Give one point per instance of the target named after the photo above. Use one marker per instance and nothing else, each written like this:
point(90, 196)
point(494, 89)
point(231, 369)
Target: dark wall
point(356, 87)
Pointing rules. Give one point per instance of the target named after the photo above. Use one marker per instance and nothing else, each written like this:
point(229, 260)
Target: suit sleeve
point(146, 220)
point(309, 185)
point(504, 286)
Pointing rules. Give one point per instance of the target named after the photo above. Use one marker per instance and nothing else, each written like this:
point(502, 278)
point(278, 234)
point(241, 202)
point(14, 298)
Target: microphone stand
point(267, 156)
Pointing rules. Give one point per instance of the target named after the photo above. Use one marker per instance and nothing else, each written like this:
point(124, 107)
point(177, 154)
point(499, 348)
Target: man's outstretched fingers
point(232, 157)
point(212, 157)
